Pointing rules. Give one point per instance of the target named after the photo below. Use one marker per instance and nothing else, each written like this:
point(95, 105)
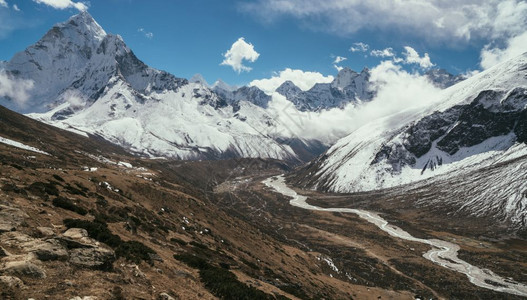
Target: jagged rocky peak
point(287, 85)
point(347, 87)
point(347, 77)
point(80, 29)
point(252, 94)
point(245, 93)
point(288, 89)
point(344, 78)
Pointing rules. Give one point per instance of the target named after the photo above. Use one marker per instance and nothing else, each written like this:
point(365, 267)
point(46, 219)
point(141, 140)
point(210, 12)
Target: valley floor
point(107, 225)
point(357, 251)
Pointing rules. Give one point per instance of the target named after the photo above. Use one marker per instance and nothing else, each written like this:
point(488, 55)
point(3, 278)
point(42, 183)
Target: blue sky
point(186, 37)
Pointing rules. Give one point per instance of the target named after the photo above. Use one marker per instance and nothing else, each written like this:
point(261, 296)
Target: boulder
point(11, 218)
point(24, 268)
point(51, 249)
point(93, 258)
point(45, 231)
point(78, 238)
point(76, 233)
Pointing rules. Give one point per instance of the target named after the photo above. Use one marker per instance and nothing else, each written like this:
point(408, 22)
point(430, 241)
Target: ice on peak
point(85, 24)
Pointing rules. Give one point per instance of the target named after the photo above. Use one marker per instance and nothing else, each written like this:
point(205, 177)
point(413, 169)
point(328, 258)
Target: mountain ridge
point(105, 90)
point(476, 124)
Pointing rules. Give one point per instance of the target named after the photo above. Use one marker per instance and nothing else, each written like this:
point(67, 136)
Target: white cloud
point(396, 89)
point(147, 34)
point(16, 90)
point(338, 68)
point(240, 51)
point(3, 3)
point(339, 59)
point(74, 98)
point(515, 46)
point(388, 52)
point(15, 7)
point(412, 57)
point(433, 20)
point(359, 47)
point(63, 4)
point(302, 79)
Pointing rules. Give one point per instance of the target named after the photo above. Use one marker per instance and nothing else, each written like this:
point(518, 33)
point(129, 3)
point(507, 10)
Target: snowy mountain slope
point(348, 86)
point(172, 124)
point(476, 123)
point(496, 192)
point(102, 88)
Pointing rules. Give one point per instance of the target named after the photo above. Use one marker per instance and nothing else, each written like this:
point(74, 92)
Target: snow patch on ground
point(21, 146)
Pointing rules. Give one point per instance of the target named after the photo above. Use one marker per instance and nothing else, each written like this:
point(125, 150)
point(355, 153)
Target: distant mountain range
point(90, 82)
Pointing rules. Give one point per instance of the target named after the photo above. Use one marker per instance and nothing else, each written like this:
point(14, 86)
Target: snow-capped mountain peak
point(91, 82)
point(86, 25)
point(289, 90)
point(57, 59)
